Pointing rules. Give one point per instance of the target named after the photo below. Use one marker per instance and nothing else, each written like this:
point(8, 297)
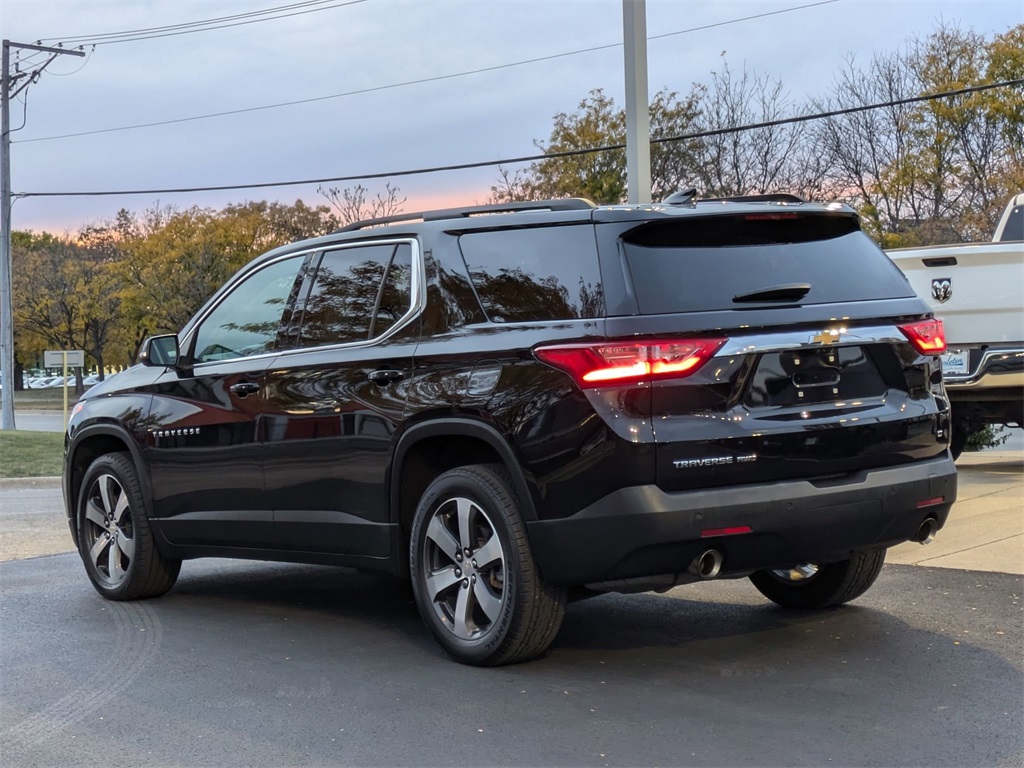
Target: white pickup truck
point(978, 291)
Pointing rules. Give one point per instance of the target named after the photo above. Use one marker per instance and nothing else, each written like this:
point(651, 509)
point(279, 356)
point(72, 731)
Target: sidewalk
point(985, 530)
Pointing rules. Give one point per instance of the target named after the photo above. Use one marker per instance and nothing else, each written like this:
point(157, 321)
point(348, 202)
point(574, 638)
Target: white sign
point(55, 358)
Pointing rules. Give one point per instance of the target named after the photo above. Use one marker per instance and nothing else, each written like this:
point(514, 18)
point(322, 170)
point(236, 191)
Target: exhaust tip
point(708, 564)
point(926, 531)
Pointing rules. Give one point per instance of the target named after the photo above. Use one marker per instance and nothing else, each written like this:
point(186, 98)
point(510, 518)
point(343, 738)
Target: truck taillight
point(623, 362)
point(927, 336)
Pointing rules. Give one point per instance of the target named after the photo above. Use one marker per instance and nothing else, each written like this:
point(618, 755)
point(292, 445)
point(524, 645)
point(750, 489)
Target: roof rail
point(563, 204)
point(771, 197)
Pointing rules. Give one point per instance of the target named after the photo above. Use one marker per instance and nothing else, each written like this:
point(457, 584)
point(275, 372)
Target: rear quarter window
point(541, 273)
point(703, 264)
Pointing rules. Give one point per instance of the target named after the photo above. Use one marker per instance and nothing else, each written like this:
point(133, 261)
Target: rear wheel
point(473, 575)
point(810, 586)
point(114, 538)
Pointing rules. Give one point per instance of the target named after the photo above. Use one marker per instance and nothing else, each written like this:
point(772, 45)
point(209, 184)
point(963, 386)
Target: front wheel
point(473, 575)
point(114, 537)
point(811, 586)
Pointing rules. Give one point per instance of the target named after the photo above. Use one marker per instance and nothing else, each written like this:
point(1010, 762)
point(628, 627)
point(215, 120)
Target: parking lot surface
point(280, 665)
point(259, 664)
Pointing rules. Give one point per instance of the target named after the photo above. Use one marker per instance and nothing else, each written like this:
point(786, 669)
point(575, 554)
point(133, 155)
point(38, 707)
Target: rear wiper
point(787, 292)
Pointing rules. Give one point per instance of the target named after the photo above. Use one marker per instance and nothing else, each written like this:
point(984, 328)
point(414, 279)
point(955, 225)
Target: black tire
point(114, 537)
point(482, 613)
point(831, 584)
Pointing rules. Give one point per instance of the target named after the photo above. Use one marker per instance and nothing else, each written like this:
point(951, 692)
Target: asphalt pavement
point(260, 664)
point(248, 664)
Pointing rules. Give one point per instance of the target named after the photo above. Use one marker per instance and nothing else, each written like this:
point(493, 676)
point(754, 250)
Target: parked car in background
point(978, 291)
point(511, 404)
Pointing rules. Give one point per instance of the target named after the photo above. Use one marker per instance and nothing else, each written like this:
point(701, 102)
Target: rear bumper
point(998, 367)
point(644, 531)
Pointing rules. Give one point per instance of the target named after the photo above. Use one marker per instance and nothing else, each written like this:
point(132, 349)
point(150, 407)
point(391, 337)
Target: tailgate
point(977, 290)
point(797, 405)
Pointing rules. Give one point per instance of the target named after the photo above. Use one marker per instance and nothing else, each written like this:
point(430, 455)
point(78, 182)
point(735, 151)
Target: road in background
point(39, 421)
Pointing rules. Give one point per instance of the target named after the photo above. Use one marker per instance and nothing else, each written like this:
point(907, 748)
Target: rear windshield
point(1014, 229)
point(705, 264)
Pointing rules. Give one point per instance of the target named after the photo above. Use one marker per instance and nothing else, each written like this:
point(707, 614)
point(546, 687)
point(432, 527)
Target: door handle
point(385, 376)
point(245, 388)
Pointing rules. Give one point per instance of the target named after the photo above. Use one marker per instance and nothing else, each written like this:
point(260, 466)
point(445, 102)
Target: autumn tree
point(177, 259)
point(66, 296)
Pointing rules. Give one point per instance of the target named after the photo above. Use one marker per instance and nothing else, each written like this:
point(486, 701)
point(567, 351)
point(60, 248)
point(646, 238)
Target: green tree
point(601, 176)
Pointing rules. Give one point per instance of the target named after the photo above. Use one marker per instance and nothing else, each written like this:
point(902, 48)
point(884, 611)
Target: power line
point(67, 39)
point(534, 158)
point(419, 81)
point(233, 24)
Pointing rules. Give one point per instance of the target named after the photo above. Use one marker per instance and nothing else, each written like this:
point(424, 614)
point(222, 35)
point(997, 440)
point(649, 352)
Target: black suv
point(511, 405)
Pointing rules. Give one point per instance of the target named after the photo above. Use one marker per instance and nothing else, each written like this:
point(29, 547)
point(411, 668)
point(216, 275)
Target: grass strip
point(30, 454)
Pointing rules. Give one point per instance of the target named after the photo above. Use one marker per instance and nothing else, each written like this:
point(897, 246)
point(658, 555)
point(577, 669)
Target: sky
point(321, 49)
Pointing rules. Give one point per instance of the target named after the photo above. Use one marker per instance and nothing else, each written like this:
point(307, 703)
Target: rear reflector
point(930, 502)
point(623, 362)
point(707, 533)
point(927, 336)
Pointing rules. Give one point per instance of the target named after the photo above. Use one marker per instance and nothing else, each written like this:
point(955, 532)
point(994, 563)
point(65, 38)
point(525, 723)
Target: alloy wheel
point(464, 568)
point(108, 530)
point(798, 574)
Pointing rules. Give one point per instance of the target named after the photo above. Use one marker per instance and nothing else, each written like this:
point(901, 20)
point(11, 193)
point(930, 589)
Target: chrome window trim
point(418, 288)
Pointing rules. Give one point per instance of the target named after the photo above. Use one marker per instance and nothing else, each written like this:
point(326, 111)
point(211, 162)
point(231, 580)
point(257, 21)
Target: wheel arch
point(90, 443)
point(427, 449)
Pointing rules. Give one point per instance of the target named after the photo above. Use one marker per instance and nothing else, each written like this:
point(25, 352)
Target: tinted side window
point(350, 300)
point(544, 273)
point(247, 321)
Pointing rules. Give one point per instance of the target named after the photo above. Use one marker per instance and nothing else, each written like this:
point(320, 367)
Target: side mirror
point(160, 351)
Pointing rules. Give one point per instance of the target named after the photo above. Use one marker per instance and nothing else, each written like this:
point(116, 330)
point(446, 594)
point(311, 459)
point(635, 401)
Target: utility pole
point(8, 92)
point(638, 114)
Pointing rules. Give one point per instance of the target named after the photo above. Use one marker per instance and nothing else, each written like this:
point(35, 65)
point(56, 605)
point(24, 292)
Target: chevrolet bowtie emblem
point(826, 337)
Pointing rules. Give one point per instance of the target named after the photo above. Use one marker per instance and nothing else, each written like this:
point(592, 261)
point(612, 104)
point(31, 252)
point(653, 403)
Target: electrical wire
point(24, 112)
point(183, 25)
point(418, 81)
point(88, 57)
point(226, 26)
point(536, 157)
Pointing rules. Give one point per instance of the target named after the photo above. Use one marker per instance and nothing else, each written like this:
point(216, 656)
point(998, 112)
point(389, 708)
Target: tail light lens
point(927, 336)
point(622, 362)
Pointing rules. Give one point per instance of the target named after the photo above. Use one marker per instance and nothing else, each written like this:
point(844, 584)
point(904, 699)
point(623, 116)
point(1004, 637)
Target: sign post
point(64, 359)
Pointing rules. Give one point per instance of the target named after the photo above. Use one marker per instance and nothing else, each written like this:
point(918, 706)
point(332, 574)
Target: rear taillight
point(623, 362)
point(927, 336)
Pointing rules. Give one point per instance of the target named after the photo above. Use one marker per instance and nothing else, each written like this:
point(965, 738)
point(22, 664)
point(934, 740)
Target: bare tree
point(352, 203)
point(776, 158)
